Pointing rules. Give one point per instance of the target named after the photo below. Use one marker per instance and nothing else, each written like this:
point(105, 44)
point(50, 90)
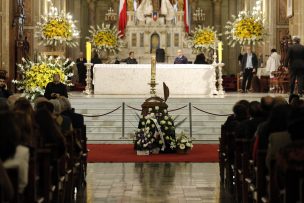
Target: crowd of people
point(273, 125)
point(27, 126)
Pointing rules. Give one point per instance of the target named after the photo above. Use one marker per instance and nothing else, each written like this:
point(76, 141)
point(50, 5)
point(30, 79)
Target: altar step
point(108, 128)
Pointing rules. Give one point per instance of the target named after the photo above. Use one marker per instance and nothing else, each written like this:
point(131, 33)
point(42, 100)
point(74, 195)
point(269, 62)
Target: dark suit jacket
point(181, 60)
point(295, 57)
point(59, 88)
point(254, 61)
point(76, 118)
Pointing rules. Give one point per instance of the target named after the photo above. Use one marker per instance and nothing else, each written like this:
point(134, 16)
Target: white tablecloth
point(133, 79)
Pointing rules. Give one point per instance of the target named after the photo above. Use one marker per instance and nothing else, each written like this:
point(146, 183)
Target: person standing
point(295, 61)
point(273, 62)
point(81, 68)
point(249, 67)
point(180, 59)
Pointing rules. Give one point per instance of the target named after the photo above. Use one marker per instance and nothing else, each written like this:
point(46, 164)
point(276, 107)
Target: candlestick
point(89, 51)
point(153, 76)
point(153, 68)
point(220, 51)
point(89, 88)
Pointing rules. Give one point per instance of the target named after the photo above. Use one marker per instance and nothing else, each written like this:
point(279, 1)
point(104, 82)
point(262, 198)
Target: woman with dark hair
point(276, 123)
point(25, 117)
point(11, 152)
point(50, 132)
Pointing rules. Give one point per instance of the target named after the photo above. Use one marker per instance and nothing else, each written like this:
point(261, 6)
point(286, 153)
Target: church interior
point(151, 101)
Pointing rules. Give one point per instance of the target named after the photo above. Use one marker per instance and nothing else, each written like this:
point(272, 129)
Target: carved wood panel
point(281, 12)
point(28, 10)
point(29, 33)
point(280, 33)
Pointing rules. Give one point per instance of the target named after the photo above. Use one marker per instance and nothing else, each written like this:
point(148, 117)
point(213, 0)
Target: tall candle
point(220, 52)
point(153, 68)
point(89, 51)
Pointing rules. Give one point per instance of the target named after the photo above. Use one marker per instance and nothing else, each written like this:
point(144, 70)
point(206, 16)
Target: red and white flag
point(186, 16)
point(122, 17)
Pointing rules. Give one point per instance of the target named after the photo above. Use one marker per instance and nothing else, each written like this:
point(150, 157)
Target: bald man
point(180, 59)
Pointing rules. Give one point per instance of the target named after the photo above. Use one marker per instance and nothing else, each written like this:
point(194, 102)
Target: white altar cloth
point(133, 79)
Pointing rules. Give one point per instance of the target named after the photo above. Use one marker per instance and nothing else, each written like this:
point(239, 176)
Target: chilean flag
point(186, 16)
point(122, 17)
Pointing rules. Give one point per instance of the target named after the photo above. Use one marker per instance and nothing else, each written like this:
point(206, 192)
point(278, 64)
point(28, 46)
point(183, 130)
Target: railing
point(124, 107)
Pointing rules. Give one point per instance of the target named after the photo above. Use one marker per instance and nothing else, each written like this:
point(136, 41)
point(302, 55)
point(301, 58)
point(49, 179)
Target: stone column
point(217, 14)
point(92, 12)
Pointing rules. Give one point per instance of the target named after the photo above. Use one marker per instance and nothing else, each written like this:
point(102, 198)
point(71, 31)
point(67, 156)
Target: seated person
point(180, 59)
point(200, 59)
point(66, 110)
point(3, 88)
point(12, 153)
point(56, 88)
point(130, 59)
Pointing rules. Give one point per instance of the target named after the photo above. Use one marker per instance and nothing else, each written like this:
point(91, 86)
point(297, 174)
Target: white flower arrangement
point(57, 28)
point(183, 142)
point(35, 76)
point(105, 38)
point(203, 38)
point(246, 29)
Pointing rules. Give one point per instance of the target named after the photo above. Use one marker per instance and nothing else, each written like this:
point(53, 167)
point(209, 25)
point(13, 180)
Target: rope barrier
point(133, 108)
point(168, 111)
point(214, 114)
point(87, 115)
point(178, 108)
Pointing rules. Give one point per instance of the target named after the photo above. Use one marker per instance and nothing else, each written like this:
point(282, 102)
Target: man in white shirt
point(273, 62)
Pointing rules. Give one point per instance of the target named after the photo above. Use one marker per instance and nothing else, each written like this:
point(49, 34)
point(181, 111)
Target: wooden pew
point(14, 178)
point(222, 153)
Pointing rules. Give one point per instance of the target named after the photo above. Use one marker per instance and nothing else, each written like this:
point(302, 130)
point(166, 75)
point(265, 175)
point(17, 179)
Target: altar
point(133, 79)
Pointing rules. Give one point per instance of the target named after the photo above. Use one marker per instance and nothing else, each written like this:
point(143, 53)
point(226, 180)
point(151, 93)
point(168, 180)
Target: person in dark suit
point(200, 59)
point(295, 62)
point(4, 92)
point(130, 59)
point(56, 88)
point(96, 59)
point(180, 59)
point(81, 68)
point(249, 67)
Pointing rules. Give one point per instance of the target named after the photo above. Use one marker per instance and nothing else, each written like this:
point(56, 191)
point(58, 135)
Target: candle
point(89, 50)
point(153, 68)
point(220, 52)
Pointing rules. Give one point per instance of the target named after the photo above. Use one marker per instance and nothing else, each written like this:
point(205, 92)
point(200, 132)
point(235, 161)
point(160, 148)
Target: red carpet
point(126, 153)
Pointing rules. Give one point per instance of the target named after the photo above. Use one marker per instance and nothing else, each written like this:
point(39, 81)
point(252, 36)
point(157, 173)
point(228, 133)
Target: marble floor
point(154, 183)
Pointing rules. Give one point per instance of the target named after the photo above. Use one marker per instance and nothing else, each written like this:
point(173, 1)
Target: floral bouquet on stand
point(57, 28)
point(35, 76)
point(246, 29)
point(184, 143)
point(106, 40)
point(156, 132)
point(203, 39)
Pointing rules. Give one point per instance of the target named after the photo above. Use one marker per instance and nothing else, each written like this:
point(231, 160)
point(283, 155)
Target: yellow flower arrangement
point(105, 38)
point(246, 29)
point(57, 28)
point(203, 38)
point(35, 76)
